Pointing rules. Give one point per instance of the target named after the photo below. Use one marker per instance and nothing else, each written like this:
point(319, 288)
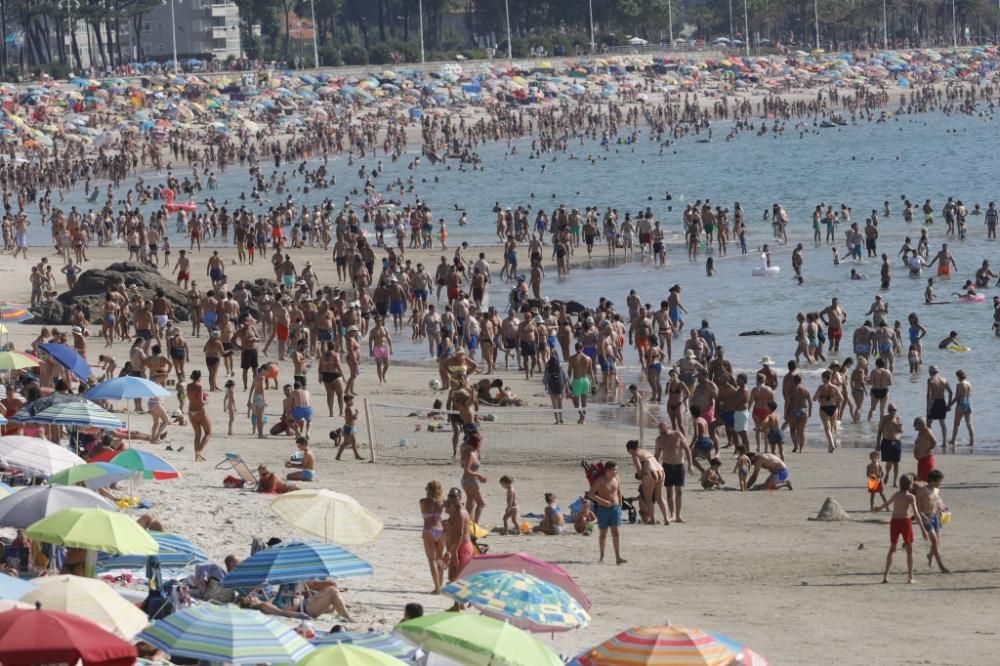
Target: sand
point(750, 565)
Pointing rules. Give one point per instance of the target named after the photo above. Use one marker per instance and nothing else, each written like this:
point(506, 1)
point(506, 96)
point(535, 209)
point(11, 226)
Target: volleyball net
point(402, 434)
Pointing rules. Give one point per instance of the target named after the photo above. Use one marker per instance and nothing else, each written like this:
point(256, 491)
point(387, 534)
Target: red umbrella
point(53, 637)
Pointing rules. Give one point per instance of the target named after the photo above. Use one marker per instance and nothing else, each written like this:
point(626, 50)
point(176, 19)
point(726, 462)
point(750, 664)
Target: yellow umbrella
point(94, 529)
point(334, 517)
point(90, 598)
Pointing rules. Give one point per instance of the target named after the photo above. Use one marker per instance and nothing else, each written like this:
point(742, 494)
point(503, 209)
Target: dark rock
point(93, 285)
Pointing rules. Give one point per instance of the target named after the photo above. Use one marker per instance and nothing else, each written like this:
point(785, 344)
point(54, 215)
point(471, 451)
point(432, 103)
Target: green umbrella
point(94, 529)
point(92, 475)
point(477, 640)
point(348, 655)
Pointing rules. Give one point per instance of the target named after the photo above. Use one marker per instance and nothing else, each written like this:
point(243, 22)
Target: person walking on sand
point(606, 493)
point(197, 399)
point(923, 449)
point(962, 402)
point(931, 507)
point(580, 370)
point(904, 509)
point(649, 472)
point(674, 454)
point(431, 510)
point(887, 441)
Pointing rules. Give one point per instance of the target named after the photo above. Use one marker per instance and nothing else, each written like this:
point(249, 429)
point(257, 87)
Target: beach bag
point(233, 482)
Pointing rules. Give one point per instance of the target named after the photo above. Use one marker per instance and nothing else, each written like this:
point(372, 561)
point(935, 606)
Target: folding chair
point(236, 463)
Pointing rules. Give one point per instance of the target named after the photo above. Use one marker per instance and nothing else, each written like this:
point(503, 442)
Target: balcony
point(221, 10)
point(219, 32)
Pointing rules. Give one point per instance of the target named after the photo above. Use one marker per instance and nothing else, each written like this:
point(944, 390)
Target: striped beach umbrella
point(13, 312)
point(226, 634)
point(92, 475)
point(664, 645)
point(333, 517)
point(82, 413)
point(525, 601)
point(91, 598)
point(36, 455)
point(148, 465)
point(296, 561)
point(176, 552)
point(30, 505)
point(390, 644)
point(349, 655)
point(12, 360)
point(477, 640)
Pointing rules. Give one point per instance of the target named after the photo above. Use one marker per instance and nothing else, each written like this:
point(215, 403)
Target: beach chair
point(235, 462)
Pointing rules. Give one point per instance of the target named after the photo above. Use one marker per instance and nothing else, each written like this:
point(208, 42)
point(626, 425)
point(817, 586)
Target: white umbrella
point(36, 455)
point(30, 505)
point(90, 598)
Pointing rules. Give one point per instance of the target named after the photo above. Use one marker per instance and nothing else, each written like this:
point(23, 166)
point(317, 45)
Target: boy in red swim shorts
point(904, 507)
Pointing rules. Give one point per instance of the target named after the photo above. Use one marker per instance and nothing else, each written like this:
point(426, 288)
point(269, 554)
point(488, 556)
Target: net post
point(368, 424)
point(639, 411)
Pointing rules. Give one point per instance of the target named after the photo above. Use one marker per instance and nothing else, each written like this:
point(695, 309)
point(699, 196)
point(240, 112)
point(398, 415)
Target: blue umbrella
point(126, 388)
point(14, 588)
point(391, 644)
point(68, 358)
point(176, 552)
point(294, 562)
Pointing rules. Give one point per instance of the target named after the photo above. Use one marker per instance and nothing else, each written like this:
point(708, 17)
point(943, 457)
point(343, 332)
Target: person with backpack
point(555, 381)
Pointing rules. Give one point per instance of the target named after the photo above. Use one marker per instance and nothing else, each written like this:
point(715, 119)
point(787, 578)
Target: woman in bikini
point(760, 395)
point(654, 368)
point(677, 397)
point(213, 356)
point(432, 509)
point(331, 374)
point(199, 418)
point(829, 398)
point(471, 478)
point(179, 354)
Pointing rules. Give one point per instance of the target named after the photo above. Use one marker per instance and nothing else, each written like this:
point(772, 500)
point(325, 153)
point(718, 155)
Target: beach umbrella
point(94, 529)
point(14, 588)
point(525, 563)
point(68, 358)
point(477, 640)
point(78, 413)
point(525, 601)
point(36, 455)
point(5, 490)
point(35, 407)
point(148, 465)
point(349, 655)
point(90, 598)
point(8, 604)
point(32, 504)
point(52, 637)
point(333, 517)
point(13, 312)
point(226, 634)
point(17, 361)
point(175, 552)
point(744, 655)
point(664, 644)
point(390, 644)
point(92, 475)
point(126, 388)
point(296, 561)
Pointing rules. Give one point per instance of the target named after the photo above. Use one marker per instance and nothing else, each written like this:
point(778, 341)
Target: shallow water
point(924, 156)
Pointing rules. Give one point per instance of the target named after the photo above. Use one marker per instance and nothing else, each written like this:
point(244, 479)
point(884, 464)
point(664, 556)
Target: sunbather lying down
point(269, 483)
point(317, 603)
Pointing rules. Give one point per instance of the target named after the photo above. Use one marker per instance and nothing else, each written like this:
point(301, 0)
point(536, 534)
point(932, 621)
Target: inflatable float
point(171, 207)
point(959, 348)
point(978, 298)
point(764, 269)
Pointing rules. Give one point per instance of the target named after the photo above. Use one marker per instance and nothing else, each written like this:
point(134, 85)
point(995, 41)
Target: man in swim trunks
point(673, 452)
point(923, 448)
point(834, 317)
point(580, 370)
point(779, 475)
point(937, 403)
point(887, 439)
point(606, 494)
point(302, 410)
point(246, 340)
point(702, 444)
point(944, 260)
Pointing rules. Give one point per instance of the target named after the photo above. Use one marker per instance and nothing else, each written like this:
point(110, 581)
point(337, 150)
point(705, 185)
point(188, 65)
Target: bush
point(354, 54)
point(57, 70)
point(329, 56)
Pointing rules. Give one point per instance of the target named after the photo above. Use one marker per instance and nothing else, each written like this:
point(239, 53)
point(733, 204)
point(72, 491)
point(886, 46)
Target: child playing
point(836, 256)
point(507, 484)
point(931, 507)
point(772, 426)
point(553, 521)
point(710, 267)
point(306, 466)
point(876, 475)
point(742, 466)
point(229, 404)
point(904, 507)
point(350, 428)
point(914, 358)
point(585, 519)
point(711, 478)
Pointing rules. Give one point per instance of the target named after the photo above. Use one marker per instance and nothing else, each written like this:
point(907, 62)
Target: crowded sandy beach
point(438, 298)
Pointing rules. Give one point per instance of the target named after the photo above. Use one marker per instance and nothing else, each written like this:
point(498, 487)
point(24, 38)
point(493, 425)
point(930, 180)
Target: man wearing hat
point(770, 376)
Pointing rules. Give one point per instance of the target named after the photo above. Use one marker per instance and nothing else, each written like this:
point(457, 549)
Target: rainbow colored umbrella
point(147, 464)
point(664, 644)
point(525, 601)
point(92, 475)
point(17, 361)
point(13, 312)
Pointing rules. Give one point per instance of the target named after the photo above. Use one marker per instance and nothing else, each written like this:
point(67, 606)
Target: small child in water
point(229, 404)
point(585, 519)
point(904, 509)
point(836, 257)
point(876, 474)
point(711, 478)
point(914, 358)
point(710, 267)
point(742, 467)
point(510, 513)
